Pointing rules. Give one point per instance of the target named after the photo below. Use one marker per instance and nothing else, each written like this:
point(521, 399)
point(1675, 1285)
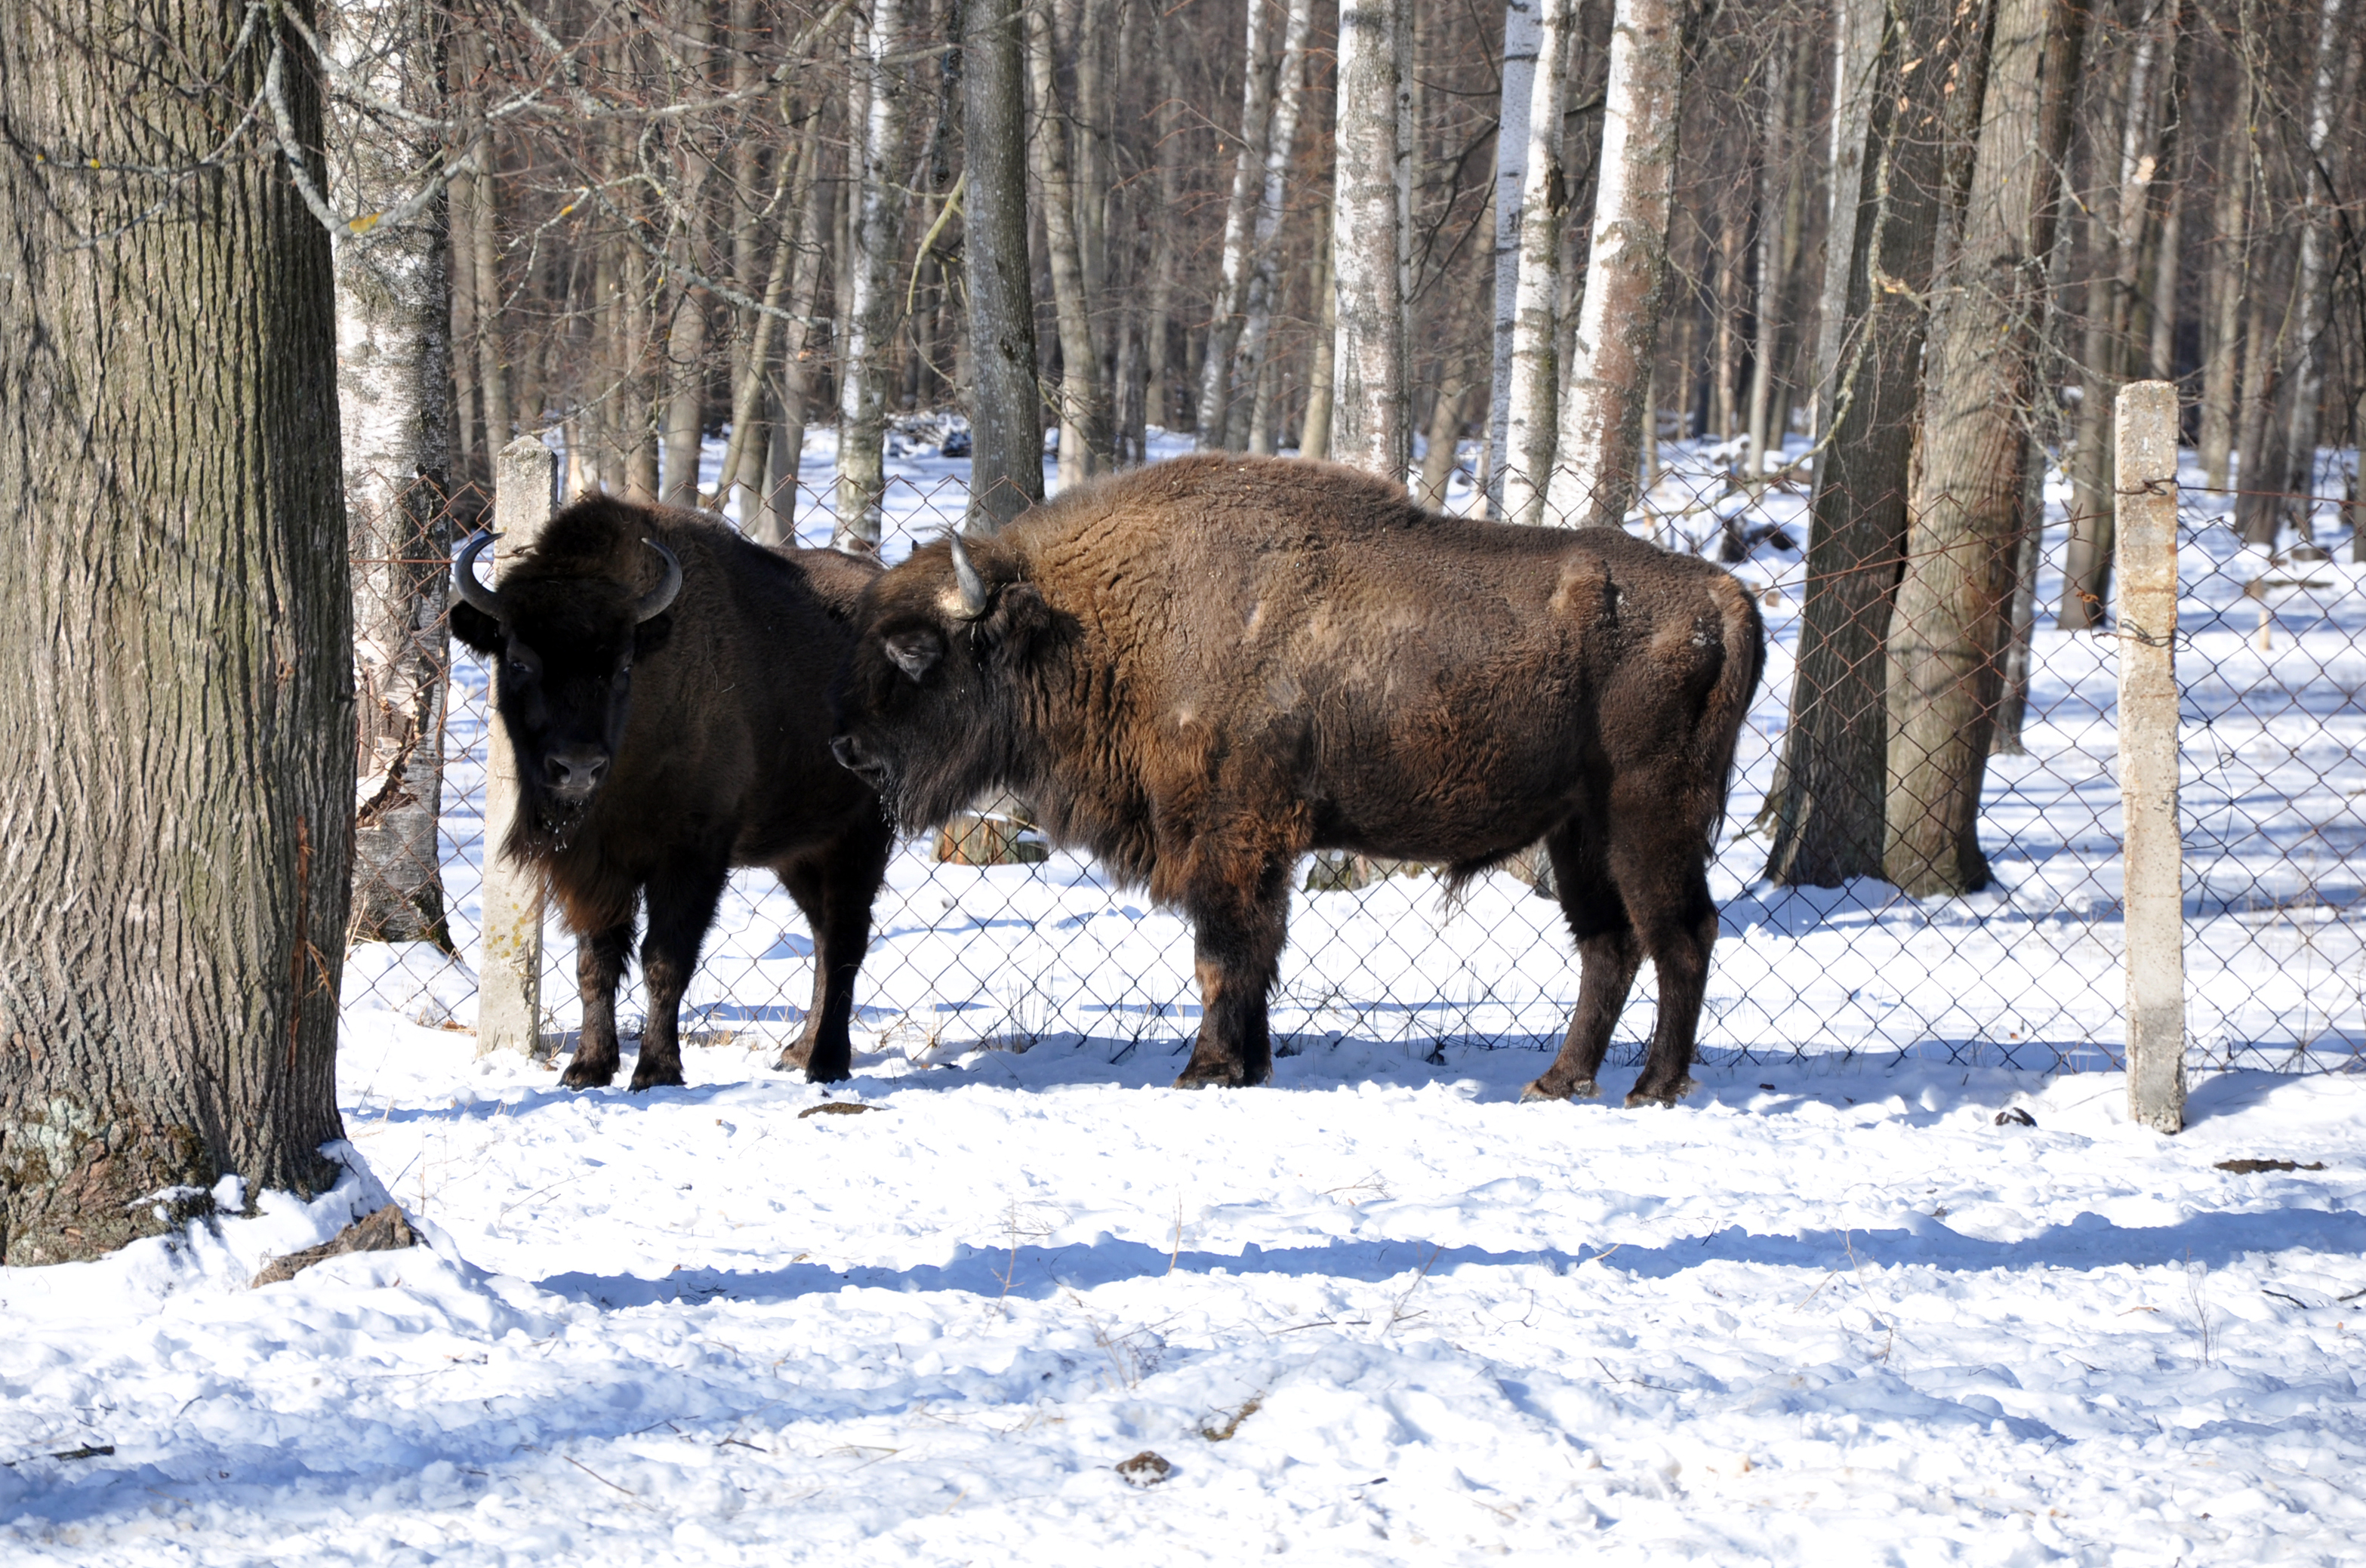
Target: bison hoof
point(581, 1074)
point(1584, 1089)
point(816, 1072)
point(660, 1077)
point(1665, 1099)
point(1211, 1077)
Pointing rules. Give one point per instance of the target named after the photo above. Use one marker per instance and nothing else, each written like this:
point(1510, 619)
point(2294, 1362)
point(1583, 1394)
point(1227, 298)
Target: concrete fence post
point(2145, 494)
point(509, 983)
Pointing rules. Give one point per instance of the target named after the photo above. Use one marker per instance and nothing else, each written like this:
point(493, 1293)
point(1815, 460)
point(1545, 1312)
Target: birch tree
point(1597, 454)
point(1525, 427)
point(394, 397)
point(1369, 416)
point(1247, 428)
point(876, 107)
point(1082, 403)
point(1522, 48)
point(175, 631)
point(1240, 221)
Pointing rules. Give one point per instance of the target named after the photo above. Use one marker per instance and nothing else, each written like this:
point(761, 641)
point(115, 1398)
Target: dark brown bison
point(1202, 669)
point(663, 683)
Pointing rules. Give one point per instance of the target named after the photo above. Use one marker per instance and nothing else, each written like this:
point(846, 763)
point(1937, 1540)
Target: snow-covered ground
point(1379, 1312)
point(1829, 1309)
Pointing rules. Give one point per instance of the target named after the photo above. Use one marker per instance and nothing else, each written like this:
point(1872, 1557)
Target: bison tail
point(1728, 698)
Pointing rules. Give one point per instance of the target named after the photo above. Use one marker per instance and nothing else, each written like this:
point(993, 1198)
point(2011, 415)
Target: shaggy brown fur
point(710, 722)
point(1202, 669)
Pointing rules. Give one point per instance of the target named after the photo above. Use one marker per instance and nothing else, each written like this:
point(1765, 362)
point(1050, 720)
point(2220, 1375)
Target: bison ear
point(916, 651)
point(651, 635)
point(475, 629)
point(1020, 618)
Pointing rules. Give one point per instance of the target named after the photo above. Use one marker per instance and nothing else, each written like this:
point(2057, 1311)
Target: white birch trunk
point(1598, 454)
point(1857, 27)
point(1525, 447)
point(394, 398)
point(1240, 217)
point(1369, 413)
point(875, 107)
point(1522, 48)
point(1257, 328)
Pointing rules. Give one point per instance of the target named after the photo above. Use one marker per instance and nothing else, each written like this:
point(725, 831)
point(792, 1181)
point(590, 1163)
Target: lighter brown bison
point(1202, 670)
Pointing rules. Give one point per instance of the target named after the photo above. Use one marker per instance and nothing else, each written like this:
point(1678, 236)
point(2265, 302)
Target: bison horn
point(464, 578)
point(662, 594)
point(972, 586)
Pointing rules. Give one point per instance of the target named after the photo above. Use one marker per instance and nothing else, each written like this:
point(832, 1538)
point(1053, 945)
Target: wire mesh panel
point(2026, 971)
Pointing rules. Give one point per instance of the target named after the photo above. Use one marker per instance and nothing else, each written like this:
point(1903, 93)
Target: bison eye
point(914, 651)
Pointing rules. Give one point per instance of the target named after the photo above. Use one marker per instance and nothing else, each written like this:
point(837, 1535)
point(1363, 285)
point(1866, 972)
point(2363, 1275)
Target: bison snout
point(852, 756)
point(574, 772)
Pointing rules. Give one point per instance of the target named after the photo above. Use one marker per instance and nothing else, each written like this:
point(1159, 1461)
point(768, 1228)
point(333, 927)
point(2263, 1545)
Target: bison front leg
point(835, 889)
point(598, 967)
point(682, 906)
point(1237, 934)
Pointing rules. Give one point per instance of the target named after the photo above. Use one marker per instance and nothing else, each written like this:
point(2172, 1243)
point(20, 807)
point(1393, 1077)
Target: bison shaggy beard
point(1202, 669)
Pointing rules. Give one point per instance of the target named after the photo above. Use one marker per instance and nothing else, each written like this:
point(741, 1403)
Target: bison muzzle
point(1202, 669)
point(666, 732)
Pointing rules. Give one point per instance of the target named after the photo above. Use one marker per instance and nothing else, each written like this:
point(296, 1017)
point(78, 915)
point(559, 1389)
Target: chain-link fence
point(2026, 971)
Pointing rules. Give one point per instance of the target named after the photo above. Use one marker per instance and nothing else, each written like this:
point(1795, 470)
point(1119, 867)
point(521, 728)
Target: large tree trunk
point(1598, 450)
point(175, 645)
point(1825, 809)
point(1523, 447)
point(1006, 452)
point(1524, 26)
point(394, 393)
point(1157, 407)
point(1949, 628)
point(1858, 27)
point(876, 108)
point(1083, 408)
point(1369, 415)
point(492, 338)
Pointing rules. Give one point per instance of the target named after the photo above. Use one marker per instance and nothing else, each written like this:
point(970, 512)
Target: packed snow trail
point(1378, 1312)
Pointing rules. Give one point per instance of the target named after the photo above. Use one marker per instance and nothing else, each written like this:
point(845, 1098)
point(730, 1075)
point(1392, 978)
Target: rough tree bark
point(175, 635)
point(1369, 415)
point(1948, 629)
point(1006, 461)
point(1825, 811)
point(1597, 454)
point(394, 393)
point(1524, 442)
point(876, 107)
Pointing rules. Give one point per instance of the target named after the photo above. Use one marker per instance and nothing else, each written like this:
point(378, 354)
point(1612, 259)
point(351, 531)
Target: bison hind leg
point(835, 886)
point(1607, 952)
